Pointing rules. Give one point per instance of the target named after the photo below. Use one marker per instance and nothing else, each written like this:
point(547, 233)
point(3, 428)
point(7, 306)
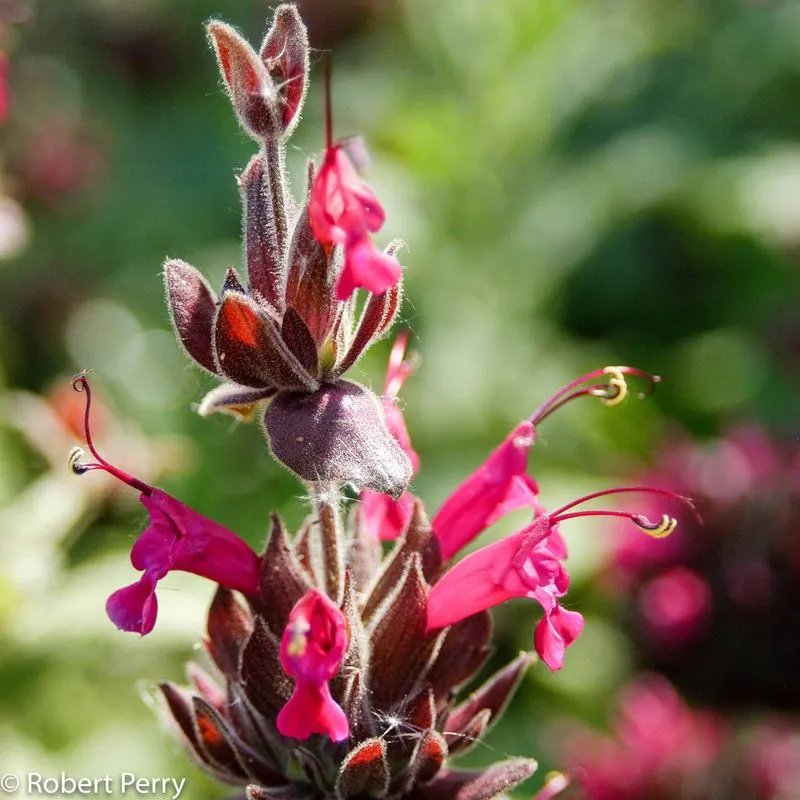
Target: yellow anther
point(299, 640)
point(75, 456)
point(617, 380)
point(557, 781)
point(663, 529)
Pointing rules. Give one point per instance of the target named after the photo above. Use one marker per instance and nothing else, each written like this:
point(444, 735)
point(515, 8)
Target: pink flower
point(177, 538)
point(3, 86)
point(343, 211)
point(384, 516)
point(658, 742)
point(527, 564)
point(676, 605)
point(500, 485)
point(312, 647)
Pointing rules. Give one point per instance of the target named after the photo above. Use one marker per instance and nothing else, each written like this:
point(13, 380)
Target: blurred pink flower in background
point(708, 606)
point(3, 86)
point(657, 742)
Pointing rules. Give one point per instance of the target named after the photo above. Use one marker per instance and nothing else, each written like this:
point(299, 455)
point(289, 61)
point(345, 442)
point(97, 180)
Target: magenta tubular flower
point(525, 564)
point(312, 648)
point(528, 564)
point(177, 538)
point(343, 210)
point(500, 485)
point(381, 514)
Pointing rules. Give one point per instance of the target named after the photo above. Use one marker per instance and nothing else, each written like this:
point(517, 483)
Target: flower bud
point(252, 91)
point(285, 54)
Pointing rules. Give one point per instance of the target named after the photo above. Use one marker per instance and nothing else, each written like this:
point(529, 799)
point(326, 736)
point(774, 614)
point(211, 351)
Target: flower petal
point(366, 267)
point(499, 484)
point(310, 710)
point(180, 538)
point(134, 608)
point(481, 580)
point(383, 516)
point(555, 632)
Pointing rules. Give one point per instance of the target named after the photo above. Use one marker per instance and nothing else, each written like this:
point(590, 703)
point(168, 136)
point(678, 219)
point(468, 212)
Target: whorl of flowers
point(338, 667)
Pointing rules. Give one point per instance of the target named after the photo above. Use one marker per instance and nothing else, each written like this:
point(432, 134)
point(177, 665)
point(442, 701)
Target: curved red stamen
point(627, 490)
point(81, 384)
point(658, 530)
point(610, 390)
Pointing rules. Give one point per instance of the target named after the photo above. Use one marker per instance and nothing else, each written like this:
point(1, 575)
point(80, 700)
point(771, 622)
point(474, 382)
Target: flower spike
point(339, 669)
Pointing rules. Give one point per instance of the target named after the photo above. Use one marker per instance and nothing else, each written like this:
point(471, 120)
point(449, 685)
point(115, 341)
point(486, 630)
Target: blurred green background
point(578, 183)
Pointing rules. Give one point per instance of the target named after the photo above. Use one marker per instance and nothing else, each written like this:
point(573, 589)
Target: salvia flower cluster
point(337, 666)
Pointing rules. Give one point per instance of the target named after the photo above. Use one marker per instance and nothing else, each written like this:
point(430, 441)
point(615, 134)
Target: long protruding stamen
point(81, 384)
point(626, 490)
point(612, 390)
point(658, 530)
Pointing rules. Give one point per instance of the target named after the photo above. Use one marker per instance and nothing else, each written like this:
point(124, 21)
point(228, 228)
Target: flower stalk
point(337, 668)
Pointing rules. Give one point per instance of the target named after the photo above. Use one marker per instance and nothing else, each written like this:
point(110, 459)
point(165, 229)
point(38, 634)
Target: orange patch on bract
point(209, 732)
point(368, 754)
point(240, 322)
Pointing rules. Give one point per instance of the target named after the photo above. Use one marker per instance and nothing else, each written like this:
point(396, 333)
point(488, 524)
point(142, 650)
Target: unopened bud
point(248, 81)
point(285, 55)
